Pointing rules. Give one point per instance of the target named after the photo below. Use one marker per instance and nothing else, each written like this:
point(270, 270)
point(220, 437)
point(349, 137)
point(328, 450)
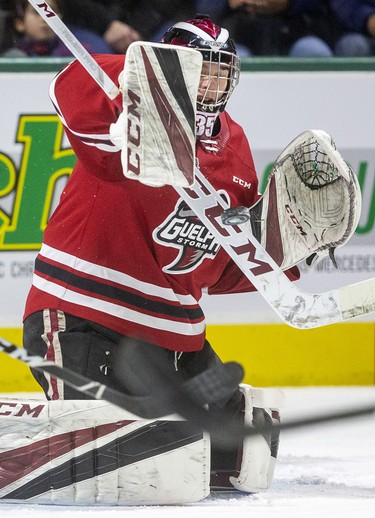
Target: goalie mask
point(220, 69)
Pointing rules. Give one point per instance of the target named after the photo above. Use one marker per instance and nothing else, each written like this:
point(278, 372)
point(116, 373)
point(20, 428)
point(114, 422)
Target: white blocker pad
point(92, 453)
point(312, 202)
point(159, 96)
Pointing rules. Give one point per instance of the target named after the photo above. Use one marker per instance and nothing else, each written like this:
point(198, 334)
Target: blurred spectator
point(102, 18)
point(153, 17)
point(117, 23)
point(120, 22)
point(29, 35)
point(358, 19)
point(6, 37)
point(301, 28)
point(298, 28)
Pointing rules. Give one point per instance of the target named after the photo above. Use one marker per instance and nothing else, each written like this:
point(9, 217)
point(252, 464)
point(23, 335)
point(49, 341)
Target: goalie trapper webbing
point(313, 165)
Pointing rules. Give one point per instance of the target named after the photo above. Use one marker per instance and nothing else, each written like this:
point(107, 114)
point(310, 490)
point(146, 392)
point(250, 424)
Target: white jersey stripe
point(121, 312)
point(115, 276)
point(54, 323)
point(102, 142)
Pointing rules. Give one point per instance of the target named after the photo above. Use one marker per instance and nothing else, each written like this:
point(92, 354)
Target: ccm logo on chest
point(241, 182)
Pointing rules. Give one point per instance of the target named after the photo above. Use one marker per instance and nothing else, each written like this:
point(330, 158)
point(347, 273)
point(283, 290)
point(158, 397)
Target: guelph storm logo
point(184, 231)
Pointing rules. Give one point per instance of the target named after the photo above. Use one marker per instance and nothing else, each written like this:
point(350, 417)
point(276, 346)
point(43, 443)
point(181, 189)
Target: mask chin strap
point(205, 122)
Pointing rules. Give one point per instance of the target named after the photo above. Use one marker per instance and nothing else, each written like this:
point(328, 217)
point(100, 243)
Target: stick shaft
point(76, 48)
point(138, 406)
point(223, 431)
point(294, 306)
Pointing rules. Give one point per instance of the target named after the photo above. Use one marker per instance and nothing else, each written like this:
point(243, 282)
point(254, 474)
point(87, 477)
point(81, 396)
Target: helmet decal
point(221, 68)
point(212, 34)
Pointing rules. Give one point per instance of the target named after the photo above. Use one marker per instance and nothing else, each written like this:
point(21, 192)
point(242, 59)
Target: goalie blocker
point(90, 453)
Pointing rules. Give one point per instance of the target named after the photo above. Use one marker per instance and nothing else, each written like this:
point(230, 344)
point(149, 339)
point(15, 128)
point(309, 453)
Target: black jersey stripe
point(121, 295)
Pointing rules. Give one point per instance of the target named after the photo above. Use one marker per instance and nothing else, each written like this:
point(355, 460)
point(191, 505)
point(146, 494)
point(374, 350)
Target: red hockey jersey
point(128, 256)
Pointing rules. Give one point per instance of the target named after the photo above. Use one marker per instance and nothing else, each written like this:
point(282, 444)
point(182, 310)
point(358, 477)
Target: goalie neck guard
point(221, 65)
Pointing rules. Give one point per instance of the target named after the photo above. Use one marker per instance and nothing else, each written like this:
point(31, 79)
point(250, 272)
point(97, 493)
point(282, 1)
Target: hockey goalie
point(123, 265)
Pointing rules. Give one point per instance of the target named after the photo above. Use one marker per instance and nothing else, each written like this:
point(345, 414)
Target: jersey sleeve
point(234, 281)
point(87, 113)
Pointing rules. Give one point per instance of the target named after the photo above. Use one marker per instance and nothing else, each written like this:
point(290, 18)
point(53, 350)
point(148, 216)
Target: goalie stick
point(171, 398)
point(78, 50)
point(164, 399)
point(295, 307)
point(96, 390)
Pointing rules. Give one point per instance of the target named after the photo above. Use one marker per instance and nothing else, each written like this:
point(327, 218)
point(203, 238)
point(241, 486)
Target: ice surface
point(325, 471)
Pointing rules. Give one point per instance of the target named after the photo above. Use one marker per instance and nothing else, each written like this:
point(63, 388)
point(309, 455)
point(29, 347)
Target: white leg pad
point(259, 452)
point(92, 453)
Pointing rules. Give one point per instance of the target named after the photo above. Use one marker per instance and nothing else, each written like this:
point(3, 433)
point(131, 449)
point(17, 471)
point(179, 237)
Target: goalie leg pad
point(92, 453)
point(256, 456)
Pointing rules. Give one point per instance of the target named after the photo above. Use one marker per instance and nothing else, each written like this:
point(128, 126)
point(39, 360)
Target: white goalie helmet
point(221, 64)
